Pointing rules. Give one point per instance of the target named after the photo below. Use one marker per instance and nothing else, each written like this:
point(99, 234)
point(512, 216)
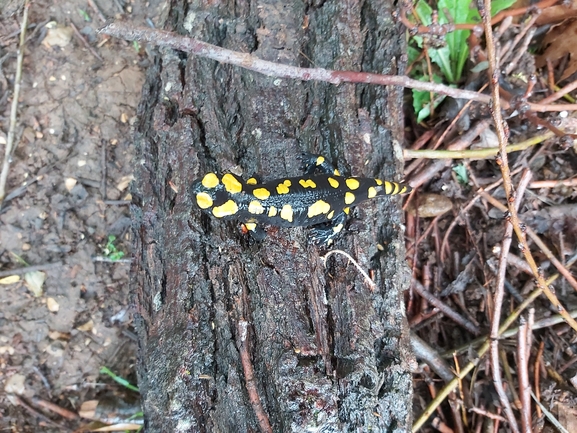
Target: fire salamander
point(321, 198)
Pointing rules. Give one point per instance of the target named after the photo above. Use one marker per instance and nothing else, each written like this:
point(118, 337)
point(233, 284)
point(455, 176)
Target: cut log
point(243, 336)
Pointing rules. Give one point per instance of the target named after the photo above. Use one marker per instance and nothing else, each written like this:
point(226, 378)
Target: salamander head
point(215, 194)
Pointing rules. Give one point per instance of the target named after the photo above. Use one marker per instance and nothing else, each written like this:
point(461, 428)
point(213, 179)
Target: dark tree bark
point(327, 353)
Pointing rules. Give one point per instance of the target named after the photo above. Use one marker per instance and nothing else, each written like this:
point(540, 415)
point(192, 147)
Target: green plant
point(111, 251)
point(449, 57)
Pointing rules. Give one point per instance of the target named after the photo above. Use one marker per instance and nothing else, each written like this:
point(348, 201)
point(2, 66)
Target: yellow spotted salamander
point(321, 198)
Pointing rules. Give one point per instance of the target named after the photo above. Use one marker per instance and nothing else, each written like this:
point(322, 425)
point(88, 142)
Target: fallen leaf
point(58, 36)
point(87, 327)
point(124, 182)
point(34, 281)
point(15, 384)
point(10, 279)
point(561, 41)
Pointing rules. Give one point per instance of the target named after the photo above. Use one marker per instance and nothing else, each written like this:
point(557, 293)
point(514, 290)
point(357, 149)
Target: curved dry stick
point(251, 388)
point(368, 279)
point(271, 69)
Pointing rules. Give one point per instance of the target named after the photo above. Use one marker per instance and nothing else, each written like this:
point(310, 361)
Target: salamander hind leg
point(312, 163)
point(326, 233)
point(256, 231)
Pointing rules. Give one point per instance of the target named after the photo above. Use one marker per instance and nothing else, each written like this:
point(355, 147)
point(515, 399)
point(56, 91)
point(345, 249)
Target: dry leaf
point(10, 279)
point(124, 182)
point(6, 349)
point(561, 41)
point(87, 327)
point(15, 384)
point(58, 36)
point(558, 13)
point(34, 281)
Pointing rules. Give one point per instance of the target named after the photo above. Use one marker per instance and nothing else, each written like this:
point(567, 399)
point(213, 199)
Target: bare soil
point(67, 193)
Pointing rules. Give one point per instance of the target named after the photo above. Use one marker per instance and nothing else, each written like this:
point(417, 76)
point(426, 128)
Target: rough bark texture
point(328, 353)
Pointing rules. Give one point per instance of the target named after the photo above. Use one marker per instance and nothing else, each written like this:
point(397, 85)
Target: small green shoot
point(136, 46)
point(111, 251)
point(461, 173)
point(451, 57)
point(118, 379)
point(84, 15)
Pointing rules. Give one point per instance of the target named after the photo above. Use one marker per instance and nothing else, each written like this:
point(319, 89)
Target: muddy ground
point(67, 193)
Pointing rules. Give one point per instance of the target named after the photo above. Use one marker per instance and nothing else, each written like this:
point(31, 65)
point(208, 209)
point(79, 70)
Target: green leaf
point(500, 5)
point(118, 379)
point(422, 100)
point(461, 172)
point(456, 11)
point(84, 15)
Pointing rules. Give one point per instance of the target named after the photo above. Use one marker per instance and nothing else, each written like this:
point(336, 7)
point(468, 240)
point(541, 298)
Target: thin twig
point(14, 109)
point(523, 375)
point(548, 253)
point(242, 342)
point(550, 416)
point(247, 61)
point(538, 184)
point(97, 10)
point(487, 414)
point(560, 93)
point(488, 152)
point(445, 309)
point(85, 42)
point(368, 280)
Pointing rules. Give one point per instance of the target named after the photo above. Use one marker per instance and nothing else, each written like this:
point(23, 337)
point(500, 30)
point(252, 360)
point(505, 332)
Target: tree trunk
point(236, 333)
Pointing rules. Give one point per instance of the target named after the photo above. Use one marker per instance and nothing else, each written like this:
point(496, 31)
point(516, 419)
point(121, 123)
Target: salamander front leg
point(326, 233)
point(313, 163)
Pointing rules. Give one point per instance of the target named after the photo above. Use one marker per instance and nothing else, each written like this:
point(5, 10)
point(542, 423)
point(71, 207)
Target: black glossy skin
point(308, 200)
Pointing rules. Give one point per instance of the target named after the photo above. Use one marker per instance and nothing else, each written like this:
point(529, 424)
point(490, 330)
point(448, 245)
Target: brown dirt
point(73, 156)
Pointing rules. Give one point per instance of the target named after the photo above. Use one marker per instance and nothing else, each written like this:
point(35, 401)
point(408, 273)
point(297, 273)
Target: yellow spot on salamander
point(352, 183)
point(372, 192)
point(397, 188)
point(320, 160)
point(349, 197)
point(317, 208)
point(307, 183)
point(404, 189)
point(203, 200)
point(210, 180)
point(333, 182)
point(379, 181)
point(347, 210)
point(226, 209)
point(250, 226)
point(272, 211)
point(255, 207)
point(331, 215)
point(261, 193)
point(337, 228)
point(336, 172)
point(388, 188)
point(231, 183)
point(283, 188)
point(251, 181)
point(286, 213)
